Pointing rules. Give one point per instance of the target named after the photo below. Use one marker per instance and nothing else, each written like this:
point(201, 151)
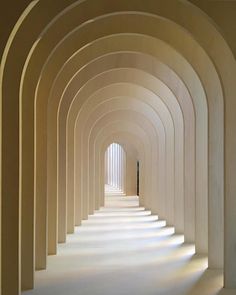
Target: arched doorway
point(115, 170)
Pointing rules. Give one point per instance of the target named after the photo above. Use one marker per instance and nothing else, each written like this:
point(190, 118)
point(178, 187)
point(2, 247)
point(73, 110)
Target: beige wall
point(69, 75)
point(223, 14)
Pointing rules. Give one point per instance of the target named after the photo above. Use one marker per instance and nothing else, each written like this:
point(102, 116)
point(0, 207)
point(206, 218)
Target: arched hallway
point(118, 98)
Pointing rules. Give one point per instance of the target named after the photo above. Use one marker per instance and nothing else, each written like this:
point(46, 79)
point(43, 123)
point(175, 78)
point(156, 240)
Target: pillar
point(131, 175)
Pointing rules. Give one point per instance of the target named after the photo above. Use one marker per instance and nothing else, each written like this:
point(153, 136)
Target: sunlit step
point(113, 191)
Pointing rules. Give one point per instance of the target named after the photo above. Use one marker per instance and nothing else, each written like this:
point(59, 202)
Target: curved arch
point(54, 219)
point(188, 16)
point(115, 170)
point(100, 81)
point(151, 132)
point(124, 75)
point(102, 99)
point(133, 151)
point(125, 174)
point(117, 127)
point(78, 81)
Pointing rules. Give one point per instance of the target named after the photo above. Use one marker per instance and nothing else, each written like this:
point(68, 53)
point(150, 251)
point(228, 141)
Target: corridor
point(123, 249)
point(118, 147)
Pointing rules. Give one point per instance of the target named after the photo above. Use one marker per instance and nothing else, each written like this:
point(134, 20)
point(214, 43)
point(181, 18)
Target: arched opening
point(115, 170)
point(64, 87)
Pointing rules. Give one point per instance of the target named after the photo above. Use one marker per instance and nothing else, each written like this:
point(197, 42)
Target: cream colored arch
point(93, 112)
point(133, 149)
point(114, 92)
point(72, 109)
point(109, 112)
point(203, 30)
point(99, 98)
point(77, 80)
point(129, 172)
point(86, 94)
point(11, 68)
point(70, 177)
point(128, 130)
point(85, 132)
point(124, 75)
point(84, 98)
point(127, 139)
point(138, 131)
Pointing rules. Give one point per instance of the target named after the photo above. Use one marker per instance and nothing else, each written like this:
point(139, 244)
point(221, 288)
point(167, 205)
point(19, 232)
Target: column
point(118, 167)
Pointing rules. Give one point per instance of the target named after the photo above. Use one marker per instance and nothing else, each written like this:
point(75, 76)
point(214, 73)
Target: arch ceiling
point(159, 79)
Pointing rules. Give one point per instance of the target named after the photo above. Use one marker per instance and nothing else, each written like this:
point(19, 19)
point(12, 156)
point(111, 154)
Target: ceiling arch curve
point(217, 76)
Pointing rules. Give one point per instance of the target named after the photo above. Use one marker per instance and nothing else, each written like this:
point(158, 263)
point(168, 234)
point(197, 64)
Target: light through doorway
point(115, 170)
point(122, 170)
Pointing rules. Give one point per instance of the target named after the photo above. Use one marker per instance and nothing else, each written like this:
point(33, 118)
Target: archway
point(206, 69)
point(115, 170)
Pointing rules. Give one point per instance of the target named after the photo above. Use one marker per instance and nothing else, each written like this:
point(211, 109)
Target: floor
point(123, 249)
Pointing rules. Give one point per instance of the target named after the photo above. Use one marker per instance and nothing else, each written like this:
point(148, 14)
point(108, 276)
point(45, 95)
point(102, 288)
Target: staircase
point(122, 250)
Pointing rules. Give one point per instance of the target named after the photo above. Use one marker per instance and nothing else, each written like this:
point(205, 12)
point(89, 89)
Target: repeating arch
point(128, 133)
point(27, 82)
